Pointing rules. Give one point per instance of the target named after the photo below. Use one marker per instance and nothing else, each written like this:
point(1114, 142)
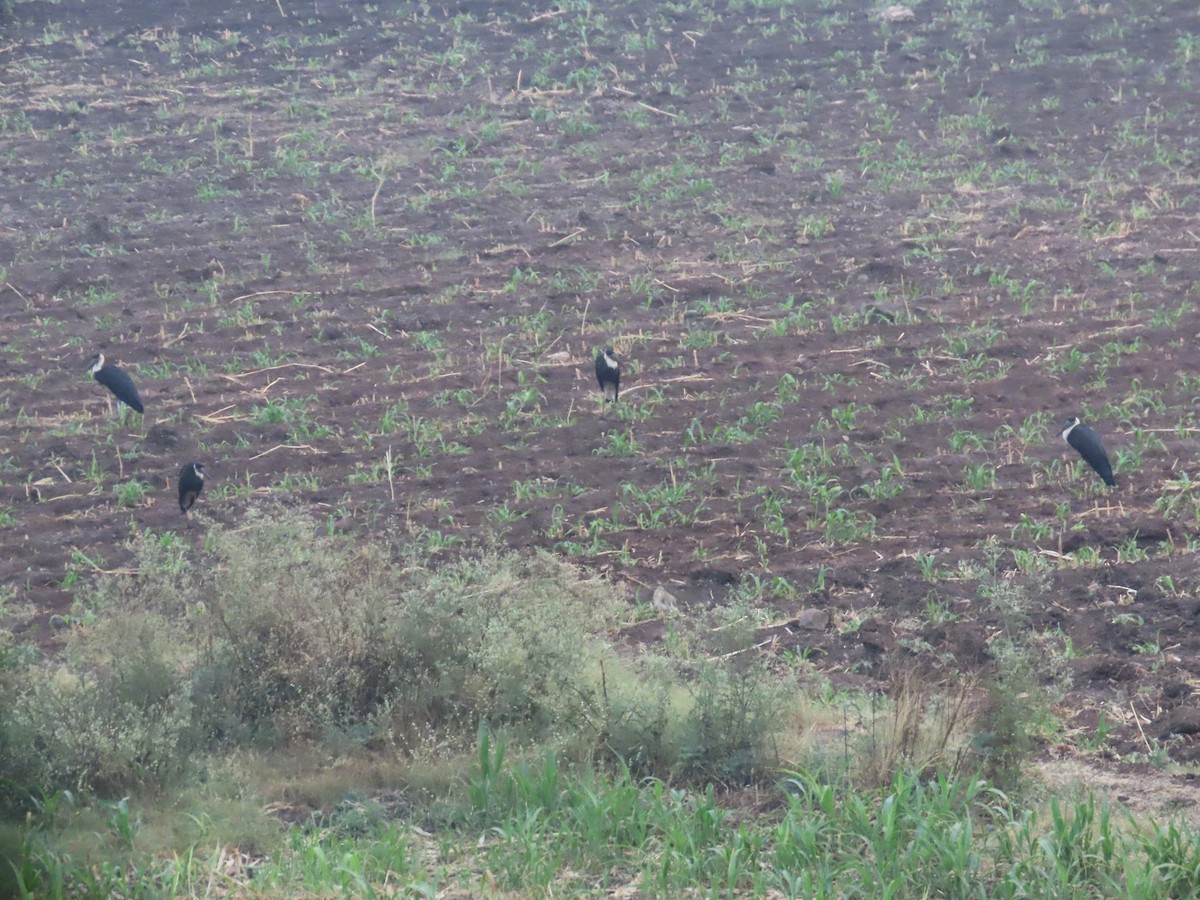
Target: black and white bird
point(608, 373)
point(118, 381)
point(191, 483)
point(1084, 439)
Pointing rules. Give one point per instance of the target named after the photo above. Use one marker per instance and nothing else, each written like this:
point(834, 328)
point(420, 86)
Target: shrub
point(115, 713)
point(279, 633)
point(1030, 679)
point(707, 706)
point(316, 633)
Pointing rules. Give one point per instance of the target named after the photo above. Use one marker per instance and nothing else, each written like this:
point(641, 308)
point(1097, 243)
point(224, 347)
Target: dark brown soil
point(917, 247)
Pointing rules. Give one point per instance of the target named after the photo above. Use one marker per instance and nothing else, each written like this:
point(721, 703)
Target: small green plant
point(845, 416)
point(131, 493)
point(620, 444)
point(928, 565)
point(981, 477)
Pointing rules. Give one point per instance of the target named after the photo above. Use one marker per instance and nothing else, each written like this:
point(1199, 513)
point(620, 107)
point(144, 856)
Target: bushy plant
point(281, 633)
point(311, 633)
point(737, 702)
point(706, 707)
point(105, 731)
point(1030, 678)
point(738, 697)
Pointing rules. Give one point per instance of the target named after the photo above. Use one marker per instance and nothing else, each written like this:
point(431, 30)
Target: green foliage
point(280, 634)
point(538, 828)
point(130, 493)
point(706, 706)
point(112, 716)
point(683, 257)
point(1029, 681)
point(736, 699)
point(317, 634)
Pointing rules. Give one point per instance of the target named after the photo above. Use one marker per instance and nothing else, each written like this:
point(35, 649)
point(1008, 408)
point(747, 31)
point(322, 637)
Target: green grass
point(535, 828)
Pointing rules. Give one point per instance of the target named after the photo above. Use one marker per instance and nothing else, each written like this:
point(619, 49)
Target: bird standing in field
point(191, 483)
point(1085, 440)
point(608, 373)
point(118, 381)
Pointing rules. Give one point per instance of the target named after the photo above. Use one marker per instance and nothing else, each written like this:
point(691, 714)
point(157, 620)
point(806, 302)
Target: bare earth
point(318, 232)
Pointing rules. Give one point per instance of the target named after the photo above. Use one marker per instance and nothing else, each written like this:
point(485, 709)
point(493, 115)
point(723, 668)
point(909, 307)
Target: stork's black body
point(1085, 440)
point(191, 483)
point(608, 373)
point(118, 381)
